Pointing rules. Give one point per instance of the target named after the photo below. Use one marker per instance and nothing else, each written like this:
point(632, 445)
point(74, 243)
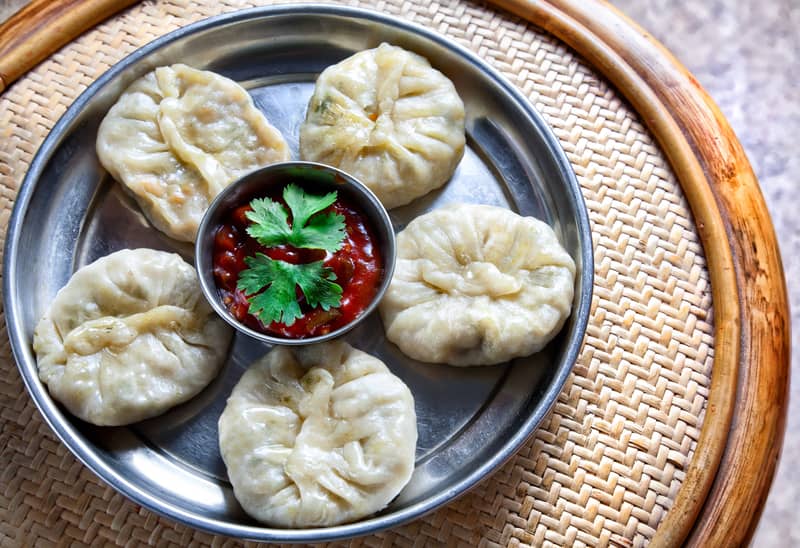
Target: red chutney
point(357, 265)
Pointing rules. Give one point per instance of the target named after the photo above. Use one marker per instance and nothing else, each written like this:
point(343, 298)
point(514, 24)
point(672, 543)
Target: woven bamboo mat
point(606, 465)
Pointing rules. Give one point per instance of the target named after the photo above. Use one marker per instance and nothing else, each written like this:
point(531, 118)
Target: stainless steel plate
point(69, 213)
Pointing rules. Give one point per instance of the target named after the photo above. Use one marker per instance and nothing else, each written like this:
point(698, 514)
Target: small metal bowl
point(318, 178)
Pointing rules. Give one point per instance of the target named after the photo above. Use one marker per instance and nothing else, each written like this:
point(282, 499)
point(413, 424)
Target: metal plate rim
point(67, 434)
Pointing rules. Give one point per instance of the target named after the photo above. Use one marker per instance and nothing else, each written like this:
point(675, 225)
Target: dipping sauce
point(357, 265)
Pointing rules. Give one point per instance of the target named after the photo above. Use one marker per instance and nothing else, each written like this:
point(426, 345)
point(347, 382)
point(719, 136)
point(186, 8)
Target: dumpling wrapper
point(177, 136)
point(128, 337)
point(317, 435)
point(477, 285)
point(388, 118)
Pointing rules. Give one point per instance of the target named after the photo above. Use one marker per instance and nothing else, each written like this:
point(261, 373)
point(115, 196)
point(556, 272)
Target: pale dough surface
point(177, 136)
point(318, 435)
point(388, 118)
point(477, 285)
point(128, 337)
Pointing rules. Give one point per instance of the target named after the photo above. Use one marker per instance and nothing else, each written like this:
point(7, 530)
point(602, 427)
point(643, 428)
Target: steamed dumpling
point(317, 435)
point(388, 118)
point(177, 136)
point(128, 337)
point(477, 285)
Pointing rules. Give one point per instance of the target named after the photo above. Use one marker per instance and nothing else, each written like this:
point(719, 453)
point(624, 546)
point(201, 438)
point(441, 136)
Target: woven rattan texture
point(606, 465)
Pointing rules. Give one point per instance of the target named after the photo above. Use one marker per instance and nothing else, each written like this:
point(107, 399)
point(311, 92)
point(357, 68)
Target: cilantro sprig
point(271, 285)
point(278, 302)
point(310, 229)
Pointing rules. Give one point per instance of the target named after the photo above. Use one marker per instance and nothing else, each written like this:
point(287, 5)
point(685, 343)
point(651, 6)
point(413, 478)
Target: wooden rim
point(40, 28)
point(726, 485)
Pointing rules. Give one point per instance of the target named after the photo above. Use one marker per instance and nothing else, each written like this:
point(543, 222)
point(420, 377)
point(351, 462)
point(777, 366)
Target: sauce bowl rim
point(365, 201)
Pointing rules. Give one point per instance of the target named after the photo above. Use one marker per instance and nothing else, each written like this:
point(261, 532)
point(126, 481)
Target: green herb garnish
point(310, 229)
point(323, 105)
point(278, 302)
point(271, 285)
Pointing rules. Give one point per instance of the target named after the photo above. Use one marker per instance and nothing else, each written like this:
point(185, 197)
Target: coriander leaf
point(278, 302)
point(323, 231)
point(310, 229)
point(305, 205)
point(270, 222)
point(316, 282)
